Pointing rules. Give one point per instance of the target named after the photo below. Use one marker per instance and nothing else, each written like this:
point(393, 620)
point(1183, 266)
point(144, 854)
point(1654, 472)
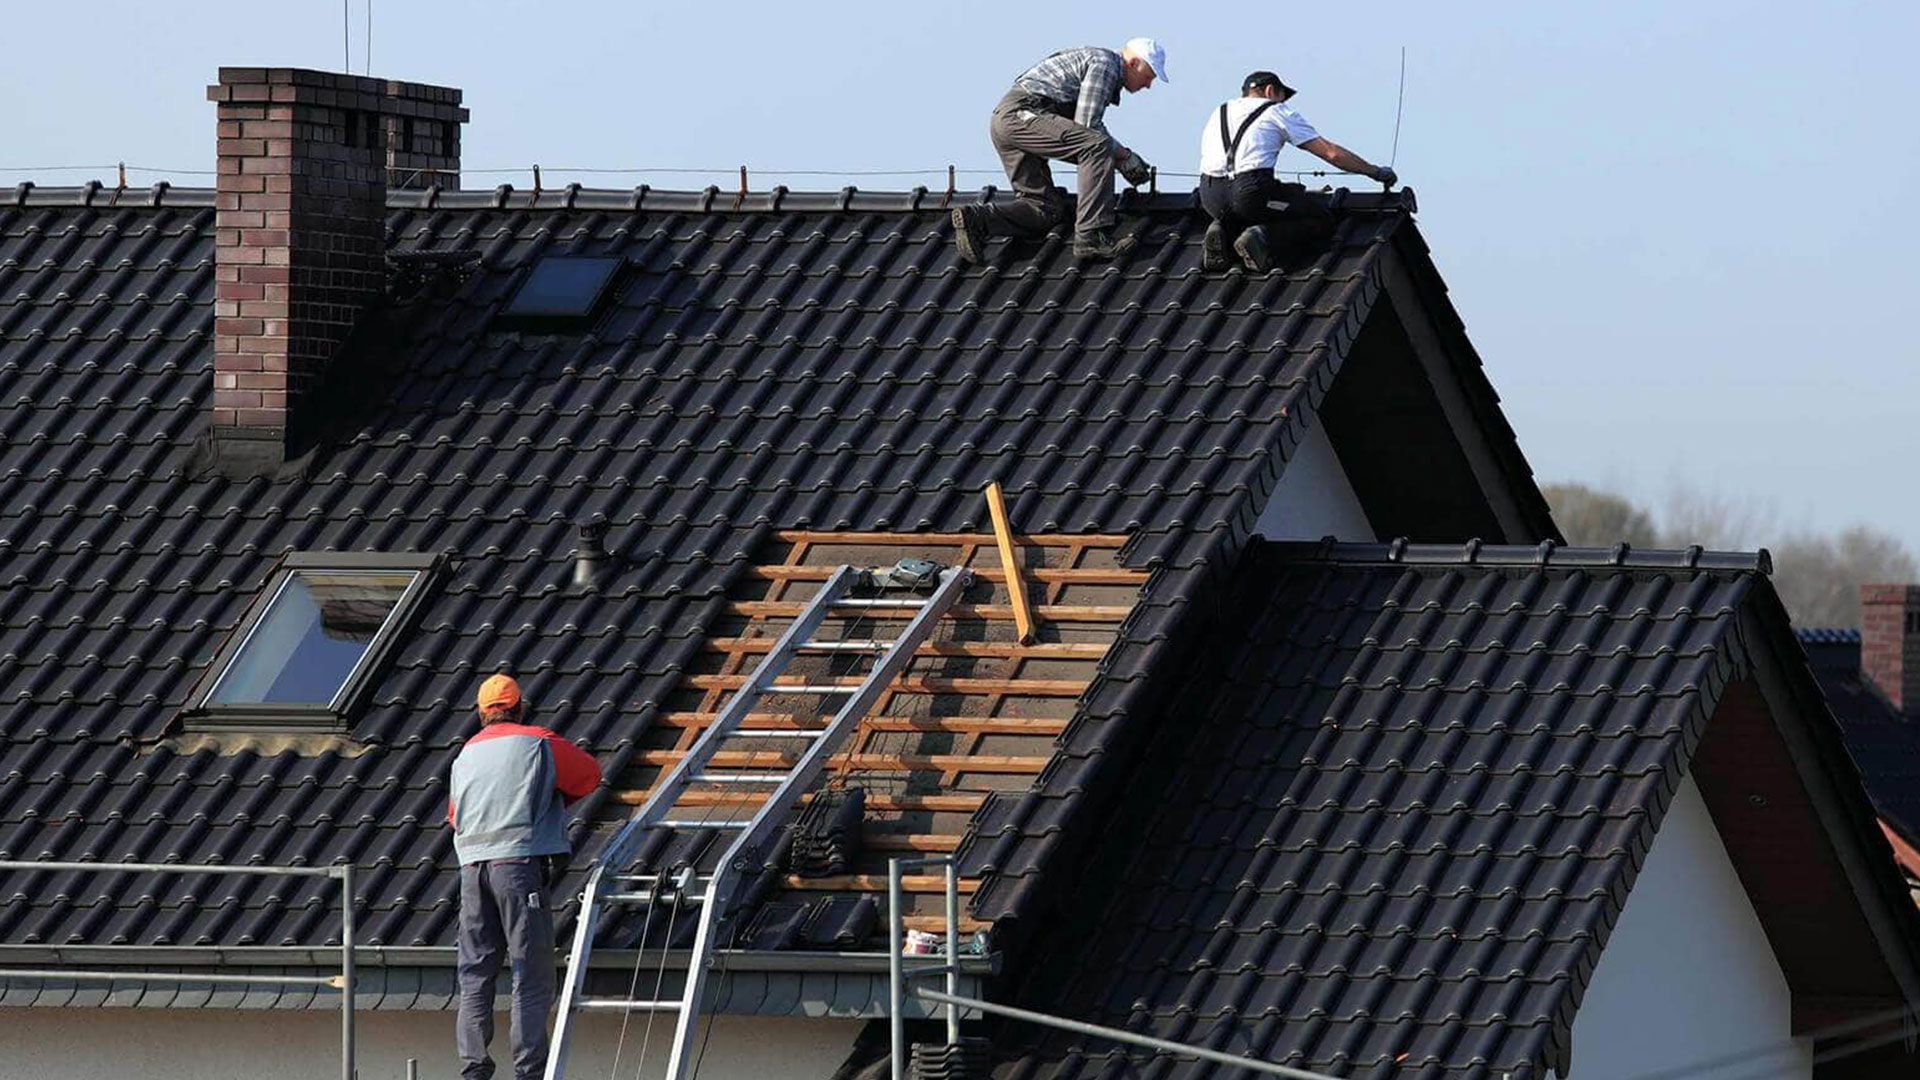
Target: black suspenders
point(1232, 142)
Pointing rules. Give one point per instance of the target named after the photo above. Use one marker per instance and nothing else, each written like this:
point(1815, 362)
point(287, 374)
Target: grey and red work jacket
point(511, 786)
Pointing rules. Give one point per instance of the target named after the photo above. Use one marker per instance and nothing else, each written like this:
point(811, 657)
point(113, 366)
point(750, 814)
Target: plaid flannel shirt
point(1089, 78)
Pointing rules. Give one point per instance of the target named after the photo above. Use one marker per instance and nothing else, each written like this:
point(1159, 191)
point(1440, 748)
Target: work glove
point(1134, 168)
point(1386, 175)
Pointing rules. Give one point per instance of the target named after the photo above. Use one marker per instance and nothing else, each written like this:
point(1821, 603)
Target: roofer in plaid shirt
point(1056, 110)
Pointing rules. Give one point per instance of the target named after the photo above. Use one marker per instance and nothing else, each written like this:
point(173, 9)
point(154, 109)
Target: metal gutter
point(432, 956)
point(421, 979)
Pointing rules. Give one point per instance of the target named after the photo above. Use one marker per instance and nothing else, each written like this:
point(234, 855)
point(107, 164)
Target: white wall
point(233, 1044)
point(1687, 977)
point(1314, 498)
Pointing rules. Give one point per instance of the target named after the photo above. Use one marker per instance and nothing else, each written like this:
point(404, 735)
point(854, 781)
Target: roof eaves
point(1482, 399)
point(1832, 780)
point(423, 978)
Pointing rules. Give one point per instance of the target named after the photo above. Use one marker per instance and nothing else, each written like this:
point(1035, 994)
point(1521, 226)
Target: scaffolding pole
point(343, 982)
point(900, 974)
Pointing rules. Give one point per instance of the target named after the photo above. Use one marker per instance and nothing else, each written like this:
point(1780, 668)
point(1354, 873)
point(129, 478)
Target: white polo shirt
point(1260, 146)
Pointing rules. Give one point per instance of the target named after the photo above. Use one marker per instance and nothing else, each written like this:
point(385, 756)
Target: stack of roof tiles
point(826, 835)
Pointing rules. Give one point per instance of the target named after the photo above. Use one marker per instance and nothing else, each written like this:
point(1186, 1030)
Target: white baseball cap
point(1149, 50)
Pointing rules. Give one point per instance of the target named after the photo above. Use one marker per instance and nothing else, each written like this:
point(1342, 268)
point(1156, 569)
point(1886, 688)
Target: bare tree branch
point(1818, 574)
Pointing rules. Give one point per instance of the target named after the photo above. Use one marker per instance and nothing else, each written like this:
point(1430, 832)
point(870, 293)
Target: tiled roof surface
point(1884, 743)
point(1399, 811)
point(822, 363)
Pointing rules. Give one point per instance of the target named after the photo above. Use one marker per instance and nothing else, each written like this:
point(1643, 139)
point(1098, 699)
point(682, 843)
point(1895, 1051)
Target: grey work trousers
point(1026, 132)
point(503, 909)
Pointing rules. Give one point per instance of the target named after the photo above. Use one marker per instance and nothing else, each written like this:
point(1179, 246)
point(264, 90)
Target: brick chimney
point(1890, 642)
point(305, 161)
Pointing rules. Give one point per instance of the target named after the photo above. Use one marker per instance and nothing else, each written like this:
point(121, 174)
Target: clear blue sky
point(1680, 233)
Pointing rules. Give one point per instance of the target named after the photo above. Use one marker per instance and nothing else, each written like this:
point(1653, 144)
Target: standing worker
point(511, 784)
point(1262, 218)
point(1055, 110)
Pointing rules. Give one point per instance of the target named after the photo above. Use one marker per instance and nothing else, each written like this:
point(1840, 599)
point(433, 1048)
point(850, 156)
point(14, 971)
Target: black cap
point(1261, 79)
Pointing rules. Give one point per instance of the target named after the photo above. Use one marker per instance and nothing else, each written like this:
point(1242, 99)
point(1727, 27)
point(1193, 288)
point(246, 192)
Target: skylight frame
point(204, 712)
point(554, 317)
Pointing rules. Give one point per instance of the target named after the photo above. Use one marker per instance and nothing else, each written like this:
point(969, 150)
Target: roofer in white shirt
point(1264, 220)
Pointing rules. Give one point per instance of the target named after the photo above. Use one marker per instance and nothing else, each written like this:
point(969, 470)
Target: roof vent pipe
point(592, 557)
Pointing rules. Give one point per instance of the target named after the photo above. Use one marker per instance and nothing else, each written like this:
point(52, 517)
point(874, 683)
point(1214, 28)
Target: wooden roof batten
point(978, 712)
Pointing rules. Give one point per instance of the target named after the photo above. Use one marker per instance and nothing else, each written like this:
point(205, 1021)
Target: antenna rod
point(346, 35)
point(369, 37)
point(1397, 106)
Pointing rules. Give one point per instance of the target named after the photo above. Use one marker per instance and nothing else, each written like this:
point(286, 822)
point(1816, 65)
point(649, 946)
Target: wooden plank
point(1010, 563)
point(928, 539)
point(1099, 613)
point(954, 802)
point(913, 883)
point(941, 842)
point(972, 725)
point(937, 924)
point(909, 684)
point(775, 759)
point(1049, 575)
point(1045, 650)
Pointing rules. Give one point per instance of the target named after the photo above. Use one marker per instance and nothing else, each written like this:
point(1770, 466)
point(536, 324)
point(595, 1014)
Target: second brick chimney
point(305, 161)
point(1890, 642)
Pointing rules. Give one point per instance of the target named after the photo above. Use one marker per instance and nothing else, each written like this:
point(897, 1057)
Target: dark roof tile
point(1395, 810)
point(802, 366)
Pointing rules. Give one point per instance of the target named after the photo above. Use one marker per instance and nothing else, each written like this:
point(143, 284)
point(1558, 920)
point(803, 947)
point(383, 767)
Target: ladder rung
point(649, 897)
point(959, 802)
point(1053, 574)
point(909, 684)
point(846, 646)
point(857, 602)
point(766, 734)
point(1045, 650)
point(738, 778)
point(629, 1005)
point(695, 823)
point(985, 725)
point(1059, 613)
point(766, 759)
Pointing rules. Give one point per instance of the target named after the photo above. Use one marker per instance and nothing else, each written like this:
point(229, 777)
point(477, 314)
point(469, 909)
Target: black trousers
point(1297, 221)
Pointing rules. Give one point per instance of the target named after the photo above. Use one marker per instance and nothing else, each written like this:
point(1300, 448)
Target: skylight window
point(310, 646)
point(563, 287)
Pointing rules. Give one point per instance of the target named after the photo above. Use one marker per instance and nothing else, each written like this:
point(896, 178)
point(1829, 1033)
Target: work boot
point(1213, 248)
point(970, 233)
point(1101, 244)
point(1252, 246)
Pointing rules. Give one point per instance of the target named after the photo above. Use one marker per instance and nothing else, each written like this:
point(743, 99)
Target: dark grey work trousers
point(503, 910)
point(1027, 131)
point(1297, 221)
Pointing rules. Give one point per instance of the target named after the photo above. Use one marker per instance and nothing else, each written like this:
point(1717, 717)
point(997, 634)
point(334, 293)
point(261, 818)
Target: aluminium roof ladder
point(609, 884)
